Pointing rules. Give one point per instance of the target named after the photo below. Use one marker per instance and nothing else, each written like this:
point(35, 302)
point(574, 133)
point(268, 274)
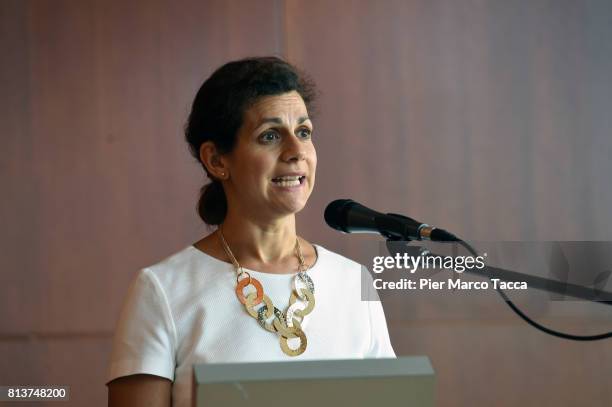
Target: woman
point(252, 290)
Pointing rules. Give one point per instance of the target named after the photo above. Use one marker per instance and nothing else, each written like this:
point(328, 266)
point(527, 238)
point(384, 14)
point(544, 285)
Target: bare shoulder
point(140, 390)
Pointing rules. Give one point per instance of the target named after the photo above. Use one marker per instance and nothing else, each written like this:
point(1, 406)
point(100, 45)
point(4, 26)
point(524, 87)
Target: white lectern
point(405, 381)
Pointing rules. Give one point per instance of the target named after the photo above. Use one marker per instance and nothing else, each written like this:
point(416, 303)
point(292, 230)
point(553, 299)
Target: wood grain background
point(489, 117)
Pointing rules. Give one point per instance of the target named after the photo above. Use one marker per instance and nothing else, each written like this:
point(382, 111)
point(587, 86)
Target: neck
point(263, 242)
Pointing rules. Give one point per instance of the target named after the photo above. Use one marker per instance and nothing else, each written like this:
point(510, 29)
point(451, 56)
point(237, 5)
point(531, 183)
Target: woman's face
point(272, 167)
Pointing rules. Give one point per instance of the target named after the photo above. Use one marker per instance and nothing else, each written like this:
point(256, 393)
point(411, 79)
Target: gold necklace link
point(285, 328)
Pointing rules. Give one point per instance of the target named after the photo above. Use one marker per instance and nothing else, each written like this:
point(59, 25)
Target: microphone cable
point(530, 321)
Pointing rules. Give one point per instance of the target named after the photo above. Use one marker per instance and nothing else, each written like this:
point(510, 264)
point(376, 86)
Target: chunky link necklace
point(286, 324)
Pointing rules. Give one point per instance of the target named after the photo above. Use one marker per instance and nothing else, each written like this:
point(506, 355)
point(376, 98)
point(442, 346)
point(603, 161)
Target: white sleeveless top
point(184, 311)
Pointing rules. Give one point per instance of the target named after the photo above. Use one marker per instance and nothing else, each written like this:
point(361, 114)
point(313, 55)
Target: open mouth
point(289, 181)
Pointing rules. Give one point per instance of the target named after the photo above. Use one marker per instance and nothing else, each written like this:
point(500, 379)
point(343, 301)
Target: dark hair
point(218, 108)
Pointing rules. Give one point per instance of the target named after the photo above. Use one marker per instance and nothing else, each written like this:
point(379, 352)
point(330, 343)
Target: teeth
point(288, 178)
point(289, 181)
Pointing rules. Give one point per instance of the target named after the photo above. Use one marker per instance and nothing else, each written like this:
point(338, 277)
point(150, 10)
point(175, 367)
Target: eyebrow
point(277, 120)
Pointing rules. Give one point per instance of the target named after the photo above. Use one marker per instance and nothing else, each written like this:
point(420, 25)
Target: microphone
point(349, 216)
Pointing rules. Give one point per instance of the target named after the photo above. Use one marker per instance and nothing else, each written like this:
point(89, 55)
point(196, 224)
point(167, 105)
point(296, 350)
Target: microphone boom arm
point(539, 283)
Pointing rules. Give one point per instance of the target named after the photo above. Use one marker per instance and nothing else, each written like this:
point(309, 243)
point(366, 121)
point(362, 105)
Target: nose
point(293, 150)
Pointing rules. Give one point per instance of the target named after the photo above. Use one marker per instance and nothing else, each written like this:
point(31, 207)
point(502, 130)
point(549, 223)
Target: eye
point(304, 133)
point(269, 136)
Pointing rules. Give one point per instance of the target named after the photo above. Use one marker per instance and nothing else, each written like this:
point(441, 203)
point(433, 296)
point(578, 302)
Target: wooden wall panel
point(510, 364)
point(16, 275)
point(488, 117)
point(97, 181)
point(75, 361)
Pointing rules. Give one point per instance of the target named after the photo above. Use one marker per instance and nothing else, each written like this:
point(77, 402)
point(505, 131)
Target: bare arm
point(140, 390)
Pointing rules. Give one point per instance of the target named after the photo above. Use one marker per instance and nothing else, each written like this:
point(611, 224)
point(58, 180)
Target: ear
point(214, 162)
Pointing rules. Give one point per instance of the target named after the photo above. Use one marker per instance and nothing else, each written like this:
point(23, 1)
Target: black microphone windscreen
point(336, 214)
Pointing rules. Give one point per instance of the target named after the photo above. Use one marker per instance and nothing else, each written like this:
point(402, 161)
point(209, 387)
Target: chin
point(285, 205)
point(293, 207)
point(296, 208)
